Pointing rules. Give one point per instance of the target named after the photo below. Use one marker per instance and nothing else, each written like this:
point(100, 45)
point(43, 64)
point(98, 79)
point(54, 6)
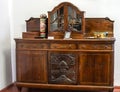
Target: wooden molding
point(12, 88)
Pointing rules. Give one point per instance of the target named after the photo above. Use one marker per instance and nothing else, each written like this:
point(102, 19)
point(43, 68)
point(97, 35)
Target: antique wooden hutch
point(82, 61)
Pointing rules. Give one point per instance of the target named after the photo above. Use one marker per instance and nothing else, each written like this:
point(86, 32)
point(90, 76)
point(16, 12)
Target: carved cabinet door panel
point(63, 67)
point(31, 66)
point(96, 68)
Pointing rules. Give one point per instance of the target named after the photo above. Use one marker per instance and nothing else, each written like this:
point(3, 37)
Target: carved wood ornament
point(62, 68)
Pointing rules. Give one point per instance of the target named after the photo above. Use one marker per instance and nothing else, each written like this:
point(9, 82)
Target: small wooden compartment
point(30, 34)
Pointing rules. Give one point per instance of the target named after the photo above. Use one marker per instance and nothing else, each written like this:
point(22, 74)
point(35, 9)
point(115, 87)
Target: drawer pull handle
point(106, 47)
point(63, 46)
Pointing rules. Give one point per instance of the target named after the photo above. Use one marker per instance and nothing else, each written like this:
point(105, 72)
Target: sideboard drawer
point(62, 46)
point(95, 47)
point(32, 46)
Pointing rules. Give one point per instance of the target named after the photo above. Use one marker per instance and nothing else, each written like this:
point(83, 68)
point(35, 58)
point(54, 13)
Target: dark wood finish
point(63, 67)
point(33, 24)
point(98, 25)
point(66, 87)
point(91, 25)
point(13, 88)
point(77, 64)
point(96, 65)
point(30, 34)
point(33, 66)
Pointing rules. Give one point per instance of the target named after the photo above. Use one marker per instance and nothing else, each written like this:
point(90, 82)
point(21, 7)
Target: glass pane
point(74, 20)
point(54, 22)
point(57, 20)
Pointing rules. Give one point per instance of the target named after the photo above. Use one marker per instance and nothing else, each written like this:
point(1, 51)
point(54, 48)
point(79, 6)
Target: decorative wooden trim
point(64, 87)
point(9, 87)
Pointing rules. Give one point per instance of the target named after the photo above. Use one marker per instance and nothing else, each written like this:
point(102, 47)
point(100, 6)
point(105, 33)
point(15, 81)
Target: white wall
point(24, 9)
point(5, 46)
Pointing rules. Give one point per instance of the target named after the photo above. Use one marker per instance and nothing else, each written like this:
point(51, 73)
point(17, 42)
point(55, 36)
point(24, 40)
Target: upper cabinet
point(67, 21)
point(66, 18)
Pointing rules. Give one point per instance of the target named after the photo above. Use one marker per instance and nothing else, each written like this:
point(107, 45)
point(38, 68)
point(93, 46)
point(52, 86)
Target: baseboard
point(117, 87)
point(8, 88)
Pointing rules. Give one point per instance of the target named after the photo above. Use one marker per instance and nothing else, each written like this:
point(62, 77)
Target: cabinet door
point(63, 67)
point(31, 66)
point(95, 68)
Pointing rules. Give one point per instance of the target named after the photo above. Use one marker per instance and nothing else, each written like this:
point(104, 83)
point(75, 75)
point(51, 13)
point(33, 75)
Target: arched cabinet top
point(66, 17)
point(65, 4)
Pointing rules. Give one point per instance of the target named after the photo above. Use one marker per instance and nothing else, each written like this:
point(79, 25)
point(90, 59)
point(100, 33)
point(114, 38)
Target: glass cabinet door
point(57, 20)
point(74, 20)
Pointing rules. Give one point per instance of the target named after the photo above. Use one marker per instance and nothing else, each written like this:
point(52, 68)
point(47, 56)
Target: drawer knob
point(106, 47)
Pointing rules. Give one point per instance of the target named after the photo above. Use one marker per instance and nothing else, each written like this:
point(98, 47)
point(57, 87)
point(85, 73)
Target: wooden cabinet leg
point(19, 89)
point(111, 91)
point(23, 89)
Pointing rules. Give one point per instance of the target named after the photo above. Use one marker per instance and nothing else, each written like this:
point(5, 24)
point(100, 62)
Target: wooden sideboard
point(82, 62)
point(74, 64)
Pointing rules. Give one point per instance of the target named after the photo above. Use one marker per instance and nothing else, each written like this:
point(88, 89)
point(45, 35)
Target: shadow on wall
point(8, 66)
